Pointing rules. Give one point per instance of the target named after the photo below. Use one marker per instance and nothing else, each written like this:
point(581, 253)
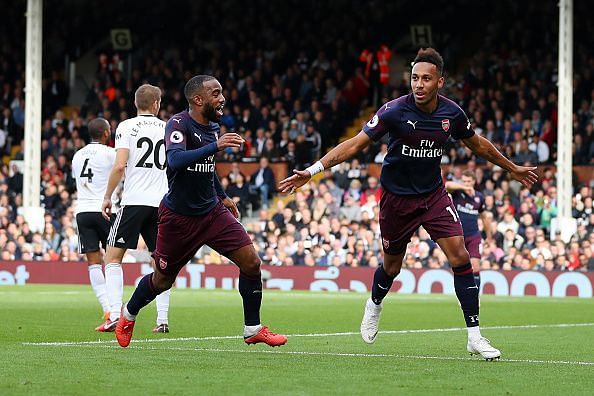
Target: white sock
point(474, 333)
point(128, 315)
point(98, 284)
point(373, 305)
point(249, 331)
point(114, 280)
point(163, 307)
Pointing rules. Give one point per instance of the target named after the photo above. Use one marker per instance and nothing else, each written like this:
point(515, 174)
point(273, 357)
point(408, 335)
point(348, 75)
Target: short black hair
point(96, 127)
point(430, 55)
point(194, 85)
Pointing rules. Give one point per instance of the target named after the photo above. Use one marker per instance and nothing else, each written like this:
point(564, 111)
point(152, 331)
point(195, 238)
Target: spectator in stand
point(524, 155)
point(240, 193)
point(278, 87)
point(540, 148)
point(271, 151)
point(262, 183)
point(379, 158)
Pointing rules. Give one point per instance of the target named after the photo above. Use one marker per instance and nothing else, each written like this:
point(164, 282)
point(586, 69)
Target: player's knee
point(251, 266)
point(113, 255)
point(392, 271)
point(460, 258)
point(162, 282)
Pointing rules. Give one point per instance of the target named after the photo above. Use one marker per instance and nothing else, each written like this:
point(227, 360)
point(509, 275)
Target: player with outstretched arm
point(419, 124)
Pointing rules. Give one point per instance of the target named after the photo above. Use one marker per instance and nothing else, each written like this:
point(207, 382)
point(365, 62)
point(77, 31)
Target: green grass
point(393, 365)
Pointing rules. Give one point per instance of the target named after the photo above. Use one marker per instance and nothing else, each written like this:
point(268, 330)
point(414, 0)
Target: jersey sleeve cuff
point(371, 135)
point(467, 135)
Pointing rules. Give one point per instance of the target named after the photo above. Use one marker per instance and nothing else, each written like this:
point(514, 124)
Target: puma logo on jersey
point(198, 136)
point(177, 120)
point(414, 124)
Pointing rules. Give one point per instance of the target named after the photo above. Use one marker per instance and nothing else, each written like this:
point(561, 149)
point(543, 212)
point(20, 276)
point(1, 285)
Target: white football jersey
point(91, 166)
point(146, 178)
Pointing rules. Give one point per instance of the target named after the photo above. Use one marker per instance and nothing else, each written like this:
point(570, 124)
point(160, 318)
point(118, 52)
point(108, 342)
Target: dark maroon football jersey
point(416, 142)
point(469, 208)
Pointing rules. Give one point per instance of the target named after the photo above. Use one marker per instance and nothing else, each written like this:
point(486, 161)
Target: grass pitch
point(48, 346)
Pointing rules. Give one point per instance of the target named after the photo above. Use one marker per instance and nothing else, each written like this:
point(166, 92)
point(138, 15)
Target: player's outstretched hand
point(292, 183)
point(230, 204)
point(525, 175)
point(469, 191)
point(106, 209)
point(229, 140)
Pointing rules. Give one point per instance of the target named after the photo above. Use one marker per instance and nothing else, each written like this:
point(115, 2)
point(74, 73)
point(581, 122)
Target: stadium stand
point(294, 99)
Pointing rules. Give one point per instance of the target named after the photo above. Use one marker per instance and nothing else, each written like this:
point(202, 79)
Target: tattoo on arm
point(337, 155)
point(334, 160)
point(486, 149)
point(491, 153)
point(345, 150)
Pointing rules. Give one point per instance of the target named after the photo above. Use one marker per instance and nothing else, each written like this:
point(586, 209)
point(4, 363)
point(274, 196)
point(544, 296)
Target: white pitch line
point(350, 333)
point(364, 355)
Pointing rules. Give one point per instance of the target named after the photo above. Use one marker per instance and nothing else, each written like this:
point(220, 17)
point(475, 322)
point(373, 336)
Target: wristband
point(315, 168)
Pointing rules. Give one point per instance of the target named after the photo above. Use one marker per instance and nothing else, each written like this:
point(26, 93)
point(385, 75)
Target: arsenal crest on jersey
point(162, 263)
point(445, 124)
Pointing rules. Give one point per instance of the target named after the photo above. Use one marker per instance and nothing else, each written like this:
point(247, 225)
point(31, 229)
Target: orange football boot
point(107, 327)
point(267, 337)
point(124, 330)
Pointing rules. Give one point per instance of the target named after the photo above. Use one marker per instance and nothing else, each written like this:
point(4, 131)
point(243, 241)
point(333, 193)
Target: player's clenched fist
point(106, 208)
point(229, 140)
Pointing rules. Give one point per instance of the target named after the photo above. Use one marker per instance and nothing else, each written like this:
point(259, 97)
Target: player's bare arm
point(337, 155)
point(485, 149)
point(453, 186)
point(114, 179)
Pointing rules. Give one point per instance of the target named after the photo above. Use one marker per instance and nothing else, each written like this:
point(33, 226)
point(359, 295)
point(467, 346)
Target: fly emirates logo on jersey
point(425, 149)
point(467, 208)
point(207, 166)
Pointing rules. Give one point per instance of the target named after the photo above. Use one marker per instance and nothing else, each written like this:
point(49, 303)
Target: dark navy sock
point(477, 279)
point(142, 296)
point(467, 293)
point(250, 289)
point(381, 285)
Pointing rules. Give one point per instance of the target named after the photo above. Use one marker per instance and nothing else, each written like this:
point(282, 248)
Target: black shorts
point(93, 230)
point(132, 221)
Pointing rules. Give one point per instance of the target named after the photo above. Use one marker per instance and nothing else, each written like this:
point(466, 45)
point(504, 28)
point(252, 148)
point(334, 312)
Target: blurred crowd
point(334, 222)
point(292, 99)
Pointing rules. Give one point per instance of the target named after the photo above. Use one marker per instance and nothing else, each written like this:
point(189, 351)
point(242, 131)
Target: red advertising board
point(199, 276)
